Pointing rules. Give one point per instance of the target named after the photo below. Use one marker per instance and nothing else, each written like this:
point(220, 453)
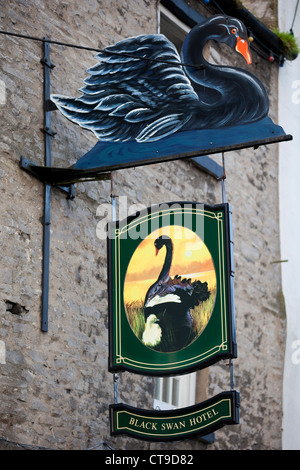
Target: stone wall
point(55, 387)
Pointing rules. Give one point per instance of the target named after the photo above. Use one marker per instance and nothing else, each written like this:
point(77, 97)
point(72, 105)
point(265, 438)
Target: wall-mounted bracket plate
point(62, 178)
point(28, 166)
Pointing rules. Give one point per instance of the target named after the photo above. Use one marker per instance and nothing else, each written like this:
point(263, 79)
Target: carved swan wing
point(137, 91)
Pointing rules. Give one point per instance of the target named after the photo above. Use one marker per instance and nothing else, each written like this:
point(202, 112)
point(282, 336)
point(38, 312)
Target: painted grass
point(135, 315)
point(200, 314)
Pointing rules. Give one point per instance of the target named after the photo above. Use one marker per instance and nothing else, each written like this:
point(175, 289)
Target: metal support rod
point(114, 217)
point(47, 189)
point(223, 179)
point(113, 199)
point(231, 374)
point(116, 378)
point(223, 201)
point(46, 257)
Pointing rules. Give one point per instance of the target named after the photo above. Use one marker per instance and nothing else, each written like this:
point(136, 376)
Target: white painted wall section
point(289, 197)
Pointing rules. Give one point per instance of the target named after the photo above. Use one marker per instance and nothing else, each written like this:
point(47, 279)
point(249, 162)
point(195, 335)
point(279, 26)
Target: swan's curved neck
point(192, 48)
point(168, 259)
point(203, 74)
point(227, 95)
point(209, 81)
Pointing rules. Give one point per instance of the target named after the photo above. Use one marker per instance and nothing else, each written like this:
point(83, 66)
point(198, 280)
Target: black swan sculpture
point(140, 90)
point(168, 303)
point(145, 104)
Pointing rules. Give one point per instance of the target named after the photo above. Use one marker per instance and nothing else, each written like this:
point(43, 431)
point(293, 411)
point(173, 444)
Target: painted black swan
point(168, 303)
point(140, 91)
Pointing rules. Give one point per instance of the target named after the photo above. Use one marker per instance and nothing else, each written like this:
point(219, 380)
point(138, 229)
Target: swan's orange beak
point(156, 251)
point(242, 48)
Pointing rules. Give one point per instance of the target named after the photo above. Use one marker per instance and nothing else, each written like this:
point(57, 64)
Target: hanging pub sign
point(183, 423)
point(170, 289)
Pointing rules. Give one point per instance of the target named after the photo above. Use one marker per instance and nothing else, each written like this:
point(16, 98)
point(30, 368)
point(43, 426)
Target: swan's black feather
point(136, 92)
point(140, 90)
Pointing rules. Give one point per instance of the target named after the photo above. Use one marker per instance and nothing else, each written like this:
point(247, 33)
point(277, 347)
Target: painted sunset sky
point(191, 259)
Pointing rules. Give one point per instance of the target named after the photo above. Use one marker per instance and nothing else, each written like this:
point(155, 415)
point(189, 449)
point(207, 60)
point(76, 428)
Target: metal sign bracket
point(28, 165)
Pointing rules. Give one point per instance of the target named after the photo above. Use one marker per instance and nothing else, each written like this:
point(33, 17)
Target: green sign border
point(217, 341)
point(168, 425)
